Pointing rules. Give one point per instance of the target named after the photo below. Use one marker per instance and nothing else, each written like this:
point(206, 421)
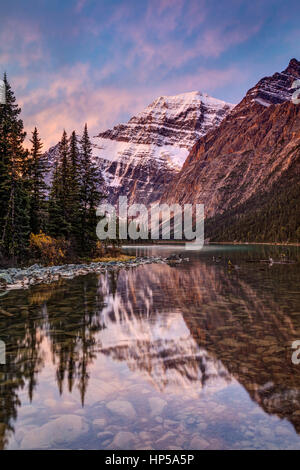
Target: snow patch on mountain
point(115, 150)
point(141, 157)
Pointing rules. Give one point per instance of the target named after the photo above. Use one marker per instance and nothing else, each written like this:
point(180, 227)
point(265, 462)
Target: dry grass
point(106, 259)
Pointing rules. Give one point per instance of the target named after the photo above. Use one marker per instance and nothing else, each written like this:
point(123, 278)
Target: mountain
point(253, 153)
point(140, 158)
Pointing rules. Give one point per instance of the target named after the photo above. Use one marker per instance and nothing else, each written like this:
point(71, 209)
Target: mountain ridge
point(253, 146)
point(140, 158)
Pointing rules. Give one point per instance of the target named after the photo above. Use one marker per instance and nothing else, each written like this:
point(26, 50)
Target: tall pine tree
point(74, 189)
point(14, 208)
point(90, 194)
point(37, 168)
point(59, 207)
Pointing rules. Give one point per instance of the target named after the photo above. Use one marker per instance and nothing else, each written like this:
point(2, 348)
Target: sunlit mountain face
point(194, 355)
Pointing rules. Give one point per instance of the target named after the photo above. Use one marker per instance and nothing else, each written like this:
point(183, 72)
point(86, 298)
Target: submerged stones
point(123, 440)
point(156, 405)
point(65, 429)
point(122, 408)
point(198, 443)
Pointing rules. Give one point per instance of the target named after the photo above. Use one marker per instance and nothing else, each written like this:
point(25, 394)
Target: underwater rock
point(122, 408)
point(63, 430)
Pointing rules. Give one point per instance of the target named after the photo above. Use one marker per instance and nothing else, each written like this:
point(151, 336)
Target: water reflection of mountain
point(151, 335)
point(195, 324)
point(239, 327)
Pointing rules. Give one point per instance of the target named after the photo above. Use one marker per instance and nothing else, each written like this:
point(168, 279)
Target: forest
point(52, 222)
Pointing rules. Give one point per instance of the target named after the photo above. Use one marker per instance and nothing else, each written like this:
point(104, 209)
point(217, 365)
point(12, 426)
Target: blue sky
point(101, 61)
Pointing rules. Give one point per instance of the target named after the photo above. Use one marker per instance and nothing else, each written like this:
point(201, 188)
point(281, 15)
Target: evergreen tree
point(58, 224)
point(90, 194)
point(36, 172)
point(14, 208)
point(74, 188)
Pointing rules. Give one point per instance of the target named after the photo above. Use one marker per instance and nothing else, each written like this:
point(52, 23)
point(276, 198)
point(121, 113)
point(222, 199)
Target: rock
point(50, 402)
point(169, 436)
point(146, 447)
point(5, 278)
point(28, 410)
point(156, 405)
point(63, 430)
point(191, 420)
point(20, 276)
point(105, 435)
point(19, 436)
point(174, 257)
point(99, 423)
point(145, 436)
point(170, 423)
point(198, 443)
point(34, 267)
point(283, 431)
point(123, 440)
point(202, 426)
point(36, 274)
point(122, 408)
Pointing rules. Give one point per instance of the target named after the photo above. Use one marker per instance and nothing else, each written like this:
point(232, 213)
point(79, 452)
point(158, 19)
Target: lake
point(195, 355)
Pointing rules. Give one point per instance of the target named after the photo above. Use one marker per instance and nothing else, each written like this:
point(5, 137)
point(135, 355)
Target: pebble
point(17, 278)
point(99, 423)
point(168, 436)
point(105, 435)
point(123, 440)
point(198, 443)
point(156, 405)
point(63, 430)
point(122, 408)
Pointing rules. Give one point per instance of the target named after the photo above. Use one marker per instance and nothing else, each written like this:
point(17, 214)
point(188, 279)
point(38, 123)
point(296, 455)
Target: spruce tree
point(90, 194)
point(37, 169)
point(74, 189)
point(14, 208)
point(59, 223)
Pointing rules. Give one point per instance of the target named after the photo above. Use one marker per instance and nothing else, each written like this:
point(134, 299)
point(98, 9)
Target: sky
point(101, 61)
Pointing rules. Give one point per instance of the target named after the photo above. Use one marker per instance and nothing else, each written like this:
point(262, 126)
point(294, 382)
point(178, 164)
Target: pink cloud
point(70, 98)
point(154, 46)
point(20, 43)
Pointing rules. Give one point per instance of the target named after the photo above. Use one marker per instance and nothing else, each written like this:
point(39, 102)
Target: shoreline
point(19, 278)
point(180, 243)
point(255, 243)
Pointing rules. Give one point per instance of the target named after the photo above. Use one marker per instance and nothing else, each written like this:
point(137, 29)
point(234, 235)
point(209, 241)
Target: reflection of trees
point(67, 313)
point(19, 328)
point(73, 322)
point(193, 323)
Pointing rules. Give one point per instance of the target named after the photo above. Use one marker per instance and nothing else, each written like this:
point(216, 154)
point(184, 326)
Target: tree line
point(271, 215)
point(65, 209)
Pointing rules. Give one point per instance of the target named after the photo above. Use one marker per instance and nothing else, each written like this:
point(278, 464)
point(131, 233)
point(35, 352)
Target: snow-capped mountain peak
point(140, 157)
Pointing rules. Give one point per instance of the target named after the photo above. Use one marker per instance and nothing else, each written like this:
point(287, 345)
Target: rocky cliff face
point(250, 150)
point(140, 158)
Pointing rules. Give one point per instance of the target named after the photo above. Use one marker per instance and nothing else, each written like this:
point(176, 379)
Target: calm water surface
point(189, 356)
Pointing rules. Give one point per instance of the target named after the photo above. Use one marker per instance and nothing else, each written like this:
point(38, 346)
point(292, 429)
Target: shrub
point(47, 249)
